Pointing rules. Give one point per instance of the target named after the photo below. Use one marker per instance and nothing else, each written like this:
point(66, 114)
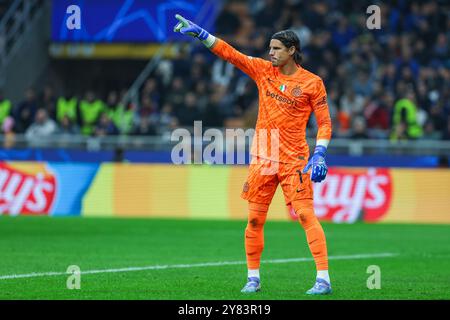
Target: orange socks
point(254, 234)
point(314, 232)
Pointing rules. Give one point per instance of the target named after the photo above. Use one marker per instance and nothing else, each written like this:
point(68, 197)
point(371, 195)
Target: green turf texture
point(41, 244)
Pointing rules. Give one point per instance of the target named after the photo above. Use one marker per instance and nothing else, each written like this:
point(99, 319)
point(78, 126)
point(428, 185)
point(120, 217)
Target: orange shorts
point(265, 175)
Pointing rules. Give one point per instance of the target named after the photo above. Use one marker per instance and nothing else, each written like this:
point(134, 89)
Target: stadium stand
point(390, 83)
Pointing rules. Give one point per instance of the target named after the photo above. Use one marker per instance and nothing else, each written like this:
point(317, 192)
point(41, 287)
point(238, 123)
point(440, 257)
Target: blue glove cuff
point(320, 150)
point(203, 35)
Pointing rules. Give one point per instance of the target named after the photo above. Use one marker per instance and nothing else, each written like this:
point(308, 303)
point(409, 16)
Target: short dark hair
point(289, 38)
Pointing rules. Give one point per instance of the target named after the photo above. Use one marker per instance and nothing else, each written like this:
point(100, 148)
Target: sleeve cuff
point(209, 41)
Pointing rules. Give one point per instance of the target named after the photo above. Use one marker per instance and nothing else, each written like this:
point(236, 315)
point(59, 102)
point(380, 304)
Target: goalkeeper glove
point(318, 165)
point(187, 27)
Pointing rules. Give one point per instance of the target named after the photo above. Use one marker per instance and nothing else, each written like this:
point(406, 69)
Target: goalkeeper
point(288, 94)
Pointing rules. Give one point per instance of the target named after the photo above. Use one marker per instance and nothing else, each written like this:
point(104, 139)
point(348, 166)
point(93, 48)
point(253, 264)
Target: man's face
point(41, 116)
point(279, 54)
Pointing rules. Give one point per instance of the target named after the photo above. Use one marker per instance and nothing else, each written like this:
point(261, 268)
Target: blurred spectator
point(377, 112)
point(144, 128)
point(25, 112)
point(423, 99)
point(343, 34)
point(67, 127)
point(152, 92)
point(406, 118)
point(437, 116)
point(332, 96)
point(212, 116)
point(124, 118)
point(246, 96)
point(5, 108)
point(441, 50)
point(199, 70)
point(146, 108)
point(388, 78)
point(302, 31)
point(90, 110)
point(400, 132)
point(363, 84)
point(121, 116)
point(197, 74)
point(429, 132)
point(352, 104)
point(47, 101)
point(8, 132)
point(343, 120)
point(176, 93)
point(165, 121)
point(190, 112)
point(105, 126)
point(202, 94)
point(220, 102)
point(66, 106)
point(406, 61)
point(164, 72)
point(42, 128)
point(359, 129)
point(222, 72)
point(112, 101)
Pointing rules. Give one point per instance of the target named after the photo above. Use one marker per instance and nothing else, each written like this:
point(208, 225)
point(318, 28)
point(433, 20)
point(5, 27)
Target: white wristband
point(322, 142)
point(208, 42)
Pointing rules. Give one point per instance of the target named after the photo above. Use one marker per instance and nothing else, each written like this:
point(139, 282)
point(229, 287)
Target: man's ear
point(291, 51)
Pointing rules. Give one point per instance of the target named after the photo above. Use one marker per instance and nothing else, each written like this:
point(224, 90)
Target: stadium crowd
point(389, 83)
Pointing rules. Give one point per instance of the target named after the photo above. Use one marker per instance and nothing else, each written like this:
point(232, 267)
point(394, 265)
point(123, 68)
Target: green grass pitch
point(420, 268)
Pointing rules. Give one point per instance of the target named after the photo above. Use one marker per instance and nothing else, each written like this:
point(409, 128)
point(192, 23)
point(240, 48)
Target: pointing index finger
point(181, 19)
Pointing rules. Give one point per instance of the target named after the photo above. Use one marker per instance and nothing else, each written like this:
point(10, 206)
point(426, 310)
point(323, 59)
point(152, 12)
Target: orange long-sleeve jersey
point(285, 105)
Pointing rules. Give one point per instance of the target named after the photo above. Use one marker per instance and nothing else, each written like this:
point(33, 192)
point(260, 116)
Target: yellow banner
point(213, 192)
point(111, 51)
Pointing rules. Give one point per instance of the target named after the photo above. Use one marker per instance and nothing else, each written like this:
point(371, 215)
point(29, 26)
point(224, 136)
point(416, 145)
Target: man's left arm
point(317, 162)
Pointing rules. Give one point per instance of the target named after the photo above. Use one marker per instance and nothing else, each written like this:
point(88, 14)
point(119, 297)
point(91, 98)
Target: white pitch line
point(206, 264)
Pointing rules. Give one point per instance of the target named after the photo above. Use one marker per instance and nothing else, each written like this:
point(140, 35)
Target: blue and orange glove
point(185, 26)
point(318, 165)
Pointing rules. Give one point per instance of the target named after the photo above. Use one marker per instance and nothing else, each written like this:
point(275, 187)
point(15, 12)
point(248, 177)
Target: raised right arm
point(249, 65)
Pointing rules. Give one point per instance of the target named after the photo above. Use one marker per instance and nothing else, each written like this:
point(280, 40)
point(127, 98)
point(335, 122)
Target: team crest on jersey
point(296, 92)
point(246, 187)
point(283, 88)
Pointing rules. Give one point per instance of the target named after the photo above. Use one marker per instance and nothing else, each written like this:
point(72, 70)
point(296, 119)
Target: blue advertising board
point(128, 21)
point(135, 156)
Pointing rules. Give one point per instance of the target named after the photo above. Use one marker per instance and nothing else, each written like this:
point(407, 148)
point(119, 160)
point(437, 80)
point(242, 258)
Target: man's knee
point(305, 211)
